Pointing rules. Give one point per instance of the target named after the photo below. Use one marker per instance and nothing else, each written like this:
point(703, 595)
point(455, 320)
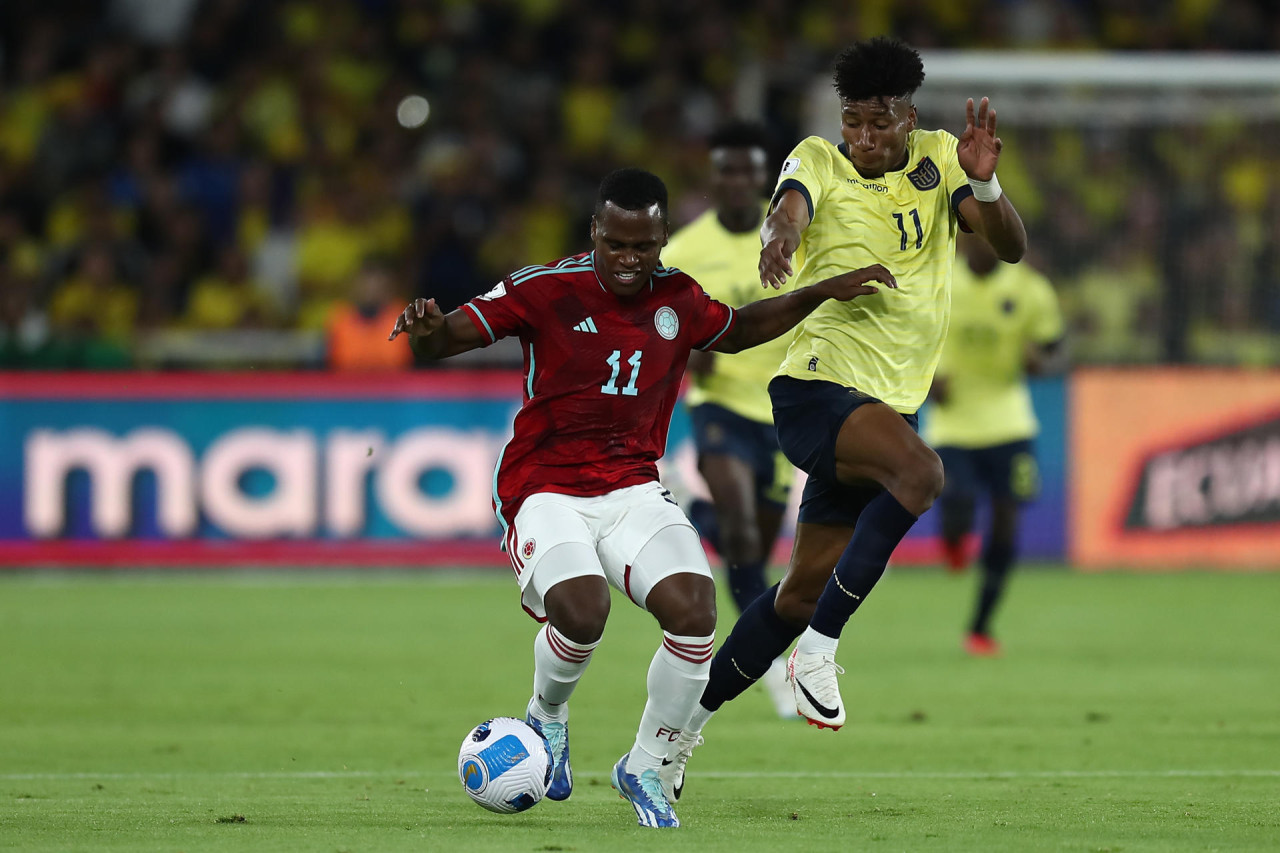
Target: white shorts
point(615, 527)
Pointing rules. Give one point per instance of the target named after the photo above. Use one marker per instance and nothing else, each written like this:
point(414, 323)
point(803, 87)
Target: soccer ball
point(504, 765)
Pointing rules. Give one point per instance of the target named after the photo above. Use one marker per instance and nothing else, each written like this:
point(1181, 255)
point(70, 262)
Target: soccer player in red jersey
point(606, 336)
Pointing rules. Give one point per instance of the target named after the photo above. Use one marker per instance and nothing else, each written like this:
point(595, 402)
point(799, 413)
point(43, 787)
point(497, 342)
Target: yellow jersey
point(886, 345)
point(994, 318)
point(727, 266)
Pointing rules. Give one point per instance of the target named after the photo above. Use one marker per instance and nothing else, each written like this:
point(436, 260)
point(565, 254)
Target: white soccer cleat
point(816, 689)
point(672, 772)
point(779, 690)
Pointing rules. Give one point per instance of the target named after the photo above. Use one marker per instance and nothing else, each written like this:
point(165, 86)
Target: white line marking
point(713, 774)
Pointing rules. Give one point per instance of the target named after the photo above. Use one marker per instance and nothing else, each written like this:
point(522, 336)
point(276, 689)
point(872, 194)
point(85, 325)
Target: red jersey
point(602, 374)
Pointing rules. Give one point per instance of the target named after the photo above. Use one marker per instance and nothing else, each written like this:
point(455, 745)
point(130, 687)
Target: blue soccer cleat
point(645, 794)
point(557, 737)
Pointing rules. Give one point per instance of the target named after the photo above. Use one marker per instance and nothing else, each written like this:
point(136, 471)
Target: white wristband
point(987, 191)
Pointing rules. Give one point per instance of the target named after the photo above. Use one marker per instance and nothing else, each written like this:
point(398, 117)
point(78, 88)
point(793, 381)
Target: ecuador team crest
point(925, 176)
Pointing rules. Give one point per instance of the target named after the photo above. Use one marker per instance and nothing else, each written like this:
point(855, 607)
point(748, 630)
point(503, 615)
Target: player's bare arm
point(764, 320)
point(434, 334)
point(1045, 359)
point(780, 237)
point(979, 149)
point(940, 390)
point(700, 363)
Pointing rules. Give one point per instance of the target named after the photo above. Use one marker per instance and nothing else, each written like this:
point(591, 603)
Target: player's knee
point(692, 623)
point(689, 611)
point(583, 618)
point(741, 542)
point(795, 606)
point(582, 627)
point(920, 481)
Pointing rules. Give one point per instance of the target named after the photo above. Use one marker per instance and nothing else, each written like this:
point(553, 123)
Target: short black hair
point(740, 133)
point(880, 68)
point(633, 189)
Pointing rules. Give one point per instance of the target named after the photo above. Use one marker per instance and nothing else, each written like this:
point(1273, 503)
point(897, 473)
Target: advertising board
point(1175, 468)
point(305, 469)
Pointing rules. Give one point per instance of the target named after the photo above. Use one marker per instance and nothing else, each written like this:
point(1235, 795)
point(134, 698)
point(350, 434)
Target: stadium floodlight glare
point(413, 111)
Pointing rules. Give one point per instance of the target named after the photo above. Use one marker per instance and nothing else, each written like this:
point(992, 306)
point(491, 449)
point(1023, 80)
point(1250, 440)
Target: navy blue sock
point(879, 530)
point(997, 559)
point(702, 514)
point(746, 583)
point(759, 636)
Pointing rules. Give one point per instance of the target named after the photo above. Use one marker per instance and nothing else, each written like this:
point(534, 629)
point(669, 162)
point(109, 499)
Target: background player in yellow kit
point(1005, 323)
point(728, 399)
point(891, 196)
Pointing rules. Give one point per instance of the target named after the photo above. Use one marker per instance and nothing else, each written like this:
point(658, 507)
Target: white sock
point(813, 643)
point(679, 672)
point(558, 663)
point(701, 716)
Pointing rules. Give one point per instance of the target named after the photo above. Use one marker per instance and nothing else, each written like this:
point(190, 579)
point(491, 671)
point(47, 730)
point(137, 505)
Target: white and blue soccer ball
point(504, 765)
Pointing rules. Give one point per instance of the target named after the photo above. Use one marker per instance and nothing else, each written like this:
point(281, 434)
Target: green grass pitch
point(323, 711)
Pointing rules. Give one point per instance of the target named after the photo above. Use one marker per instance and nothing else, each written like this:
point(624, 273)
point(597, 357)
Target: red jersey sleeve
point(712, 319)
point(500, 313)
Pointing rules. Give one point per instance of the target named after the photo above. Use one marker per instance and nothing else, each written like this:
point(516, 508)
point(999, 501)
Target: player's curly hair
point(633, 189)
point(880, 68)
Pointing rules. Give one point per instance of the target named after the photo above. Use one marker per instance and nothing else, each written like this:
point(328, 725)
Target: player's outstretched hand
point(852, 284)
point(979, 148)
point(421, 318)
point(775, 260)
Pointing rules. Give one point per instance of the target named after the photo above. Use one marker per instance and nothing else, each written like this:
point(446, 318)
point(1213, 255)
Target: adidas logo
point(587, 325)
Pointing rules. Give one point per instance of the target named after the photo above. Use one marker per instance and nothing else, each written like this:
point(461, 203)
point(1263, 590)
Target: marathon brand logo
point(925, 176)
point(868, 185)
point(1224, 481)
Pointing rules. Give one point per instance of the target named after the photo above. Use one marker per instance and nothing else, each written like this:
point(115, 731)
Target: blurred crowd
point(256, 171)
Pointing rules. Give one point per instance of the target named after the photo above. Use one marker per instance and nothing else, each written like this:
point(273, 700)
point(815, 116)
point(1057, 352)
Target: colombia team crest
point(528, 548)
point(925, 176)
point(667, 323)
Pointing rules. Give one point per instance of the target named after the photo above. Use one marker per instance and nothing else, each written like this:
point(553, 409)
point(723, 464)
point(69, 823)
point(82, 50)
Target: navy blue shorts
point(1002, 471)
point(808, 414)
point(718, 430)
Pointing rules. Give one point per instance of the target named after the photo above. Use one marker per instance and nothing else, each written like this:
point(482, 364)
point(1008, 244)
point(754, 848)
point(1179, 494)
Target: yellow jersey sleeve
point(887, 344)
point(726, 265)
point(1045, 326)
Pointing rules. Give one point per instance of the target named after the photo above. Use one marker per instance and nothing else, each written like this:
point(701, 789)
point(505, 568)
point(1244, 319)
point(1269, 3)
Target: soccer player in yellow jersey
point(1005, 323)
point(891, 197)
point(738, 456)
